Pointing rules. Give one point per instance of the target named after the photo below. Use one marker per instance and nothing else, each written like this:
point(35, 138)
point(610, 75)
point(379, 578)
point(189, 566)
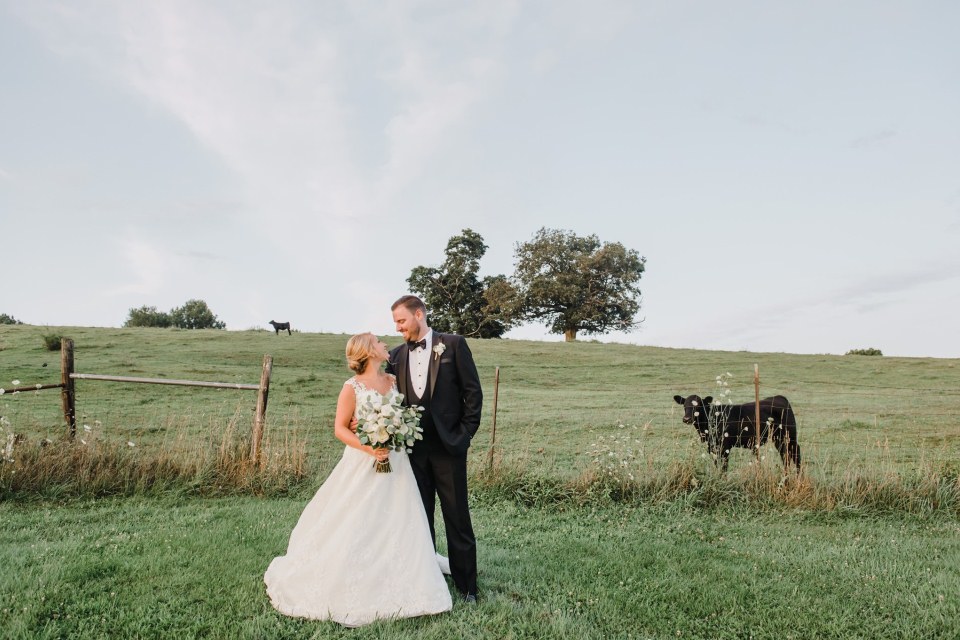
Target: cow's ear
point(679, 399)
point(708, 400)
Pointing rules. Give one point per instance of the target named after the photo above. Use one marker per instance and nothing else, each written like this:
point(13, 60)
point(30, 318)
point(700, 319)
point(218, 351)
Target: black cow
point(723, 427)
point(280, 326)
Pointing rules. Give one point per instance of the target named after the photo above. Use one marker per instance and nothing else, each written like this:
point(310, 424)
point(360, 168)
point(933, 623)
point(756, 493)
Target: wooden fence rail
point(68, 393)
point(182, 383)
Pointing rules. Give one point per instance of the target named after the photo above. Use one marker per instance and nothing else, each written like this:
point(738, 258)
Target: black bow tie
point(422, 344)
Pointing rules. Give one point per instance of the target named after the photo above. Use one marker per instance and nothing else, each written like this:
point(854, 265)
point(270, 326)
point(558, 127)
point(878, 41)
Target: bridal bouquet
point(384, 423)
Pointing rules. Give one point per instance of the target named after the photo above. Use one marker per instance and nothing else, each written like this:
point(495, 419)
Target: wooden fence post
point(260, 415)
point(756, 391)
point(68, 395)
point(493, 430)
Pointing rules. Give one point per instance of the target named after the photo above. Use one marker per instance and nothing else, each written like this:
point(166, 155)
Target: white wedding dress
point(361, 550)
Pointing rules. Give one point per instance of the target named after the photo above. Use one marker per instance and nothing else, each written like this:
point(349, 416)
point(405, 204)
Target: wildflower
point(87, 428)
point(130, 444)
point(15, 383)
point(38, 385)
point(2, 391)
point(83, 441)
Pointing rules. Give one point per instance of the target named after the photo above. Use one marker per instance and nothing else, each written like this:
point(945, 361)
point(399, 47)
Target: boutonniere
point(438, 349)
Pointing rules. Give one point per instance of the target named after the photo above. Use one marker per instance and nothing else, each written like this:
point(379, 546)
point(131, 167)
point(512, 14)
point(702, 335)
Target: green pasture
point(564, 551)
point(876, 414)
point(173, 568)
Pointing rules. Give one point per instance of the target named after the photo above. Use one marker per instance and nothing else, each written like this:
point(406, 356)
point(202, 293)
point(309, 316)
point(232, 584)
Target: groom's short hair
point(412, 303)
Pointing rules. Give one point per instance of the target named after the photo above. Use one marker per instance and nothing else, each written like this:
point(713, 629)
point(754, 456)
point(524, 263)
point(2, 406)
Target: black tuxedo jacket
point(456, 399)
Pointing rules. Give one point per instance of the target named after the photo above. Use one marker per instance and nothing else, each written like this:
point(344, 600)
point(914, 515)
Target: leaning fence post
point(261, 412)
point(756, 392)
point(493, 429)
point(68, 395)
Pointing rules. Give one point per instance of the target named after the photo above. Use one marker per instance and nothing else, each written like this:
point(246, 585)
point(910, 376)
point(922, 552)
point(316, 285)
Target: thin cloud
point(756, 120)
point(873, 139)
point(5, 175)
point(745, 325)
point(274, 97)
point(199, 255)
point(149, 266)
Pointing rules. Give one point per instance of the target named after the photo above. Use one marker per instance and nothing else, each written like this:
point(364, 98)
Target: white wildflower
point(15, 383)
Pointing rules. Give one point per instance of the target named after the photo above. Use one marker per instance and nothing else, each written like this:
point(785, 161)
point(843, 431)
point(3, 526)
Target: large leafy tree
point(8, 319)
point(457, 299)
point(574, 283)
point(195, 314)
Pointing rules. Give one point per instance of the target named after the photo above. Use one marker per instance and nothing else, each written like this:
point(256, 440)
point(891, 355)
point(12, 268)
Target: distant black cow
point(280, 326)
point(723, 427)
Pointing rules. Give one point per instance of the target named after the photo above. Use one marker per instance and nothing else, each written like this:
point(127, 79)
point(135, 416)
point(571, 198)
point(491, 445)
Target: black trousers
point(442, 474)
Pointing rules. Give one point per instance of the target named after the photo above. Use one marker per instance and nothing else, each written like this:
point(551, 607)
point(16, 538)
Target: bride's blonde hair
point(359, 350)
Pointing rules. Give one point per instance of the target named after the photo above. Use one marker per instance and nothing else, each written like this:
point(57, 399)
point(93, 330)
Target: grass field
point(867, 545)
point(193, 569)
point(554, 399)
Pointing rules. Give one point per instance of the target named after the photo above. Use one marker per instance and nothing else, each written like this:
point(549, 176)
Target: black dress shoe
point(470, 598)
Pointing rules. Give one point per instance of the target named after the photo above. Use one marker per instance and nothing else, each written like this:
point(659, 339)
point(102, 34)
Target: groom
point(436, 371)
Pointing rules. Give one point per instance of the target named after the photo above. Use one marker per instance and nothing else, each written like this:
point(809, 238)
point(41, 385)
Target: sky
point(790, 170)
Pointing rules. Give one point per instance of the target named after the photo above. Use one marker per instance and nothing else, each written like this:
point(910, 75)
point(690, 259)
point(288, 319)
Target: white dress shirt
point(419, 363)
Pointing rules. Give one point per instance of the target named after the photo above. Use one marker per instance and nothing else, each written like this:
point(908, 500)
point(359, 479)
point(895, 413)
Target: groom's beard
point(411, 335)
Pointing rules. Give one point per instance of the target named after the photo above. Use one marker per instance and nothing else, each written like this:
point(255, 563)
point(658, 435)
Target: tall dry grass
point(218, 465)
point(620, 473)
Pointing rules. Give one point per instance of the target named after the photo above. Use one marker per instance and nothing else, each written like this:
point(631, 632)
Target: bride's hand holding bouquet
point(384, 424)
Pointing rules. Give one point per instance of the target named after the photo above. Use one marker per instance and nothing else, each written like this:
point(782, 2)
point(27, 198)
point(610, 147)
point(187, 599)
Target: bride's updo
point(360, 348)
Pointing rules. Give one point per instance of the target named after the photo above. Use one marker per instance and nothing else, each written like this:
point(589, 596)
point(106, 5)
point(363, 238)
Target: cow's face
point(695, 412)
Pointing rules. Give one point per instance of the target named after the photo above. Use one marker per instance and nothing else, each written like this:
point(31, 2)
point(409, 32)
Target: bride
point(361, 550)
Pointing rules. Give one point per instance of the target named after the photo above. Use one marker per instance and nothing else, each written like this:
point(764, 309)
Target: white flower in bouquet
point(384, 423)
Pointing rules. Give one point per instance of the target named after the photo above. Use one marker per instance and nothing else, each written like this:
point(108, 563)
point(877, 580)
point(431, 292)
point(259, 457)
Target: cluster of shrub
point(194, 314)
point(865, 352)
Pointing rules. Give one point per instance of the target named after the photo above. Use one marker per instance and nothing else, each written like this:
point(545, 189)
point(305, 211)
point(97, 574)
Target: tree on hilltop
point(7, 319)
point(456, 299)
point(148, 317)
point(574, 283)
point(194, 314)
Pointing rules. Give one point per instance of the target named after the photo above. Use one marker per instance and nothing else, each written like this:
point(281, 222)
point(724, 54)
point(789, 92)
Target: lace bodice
point(364, 393)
